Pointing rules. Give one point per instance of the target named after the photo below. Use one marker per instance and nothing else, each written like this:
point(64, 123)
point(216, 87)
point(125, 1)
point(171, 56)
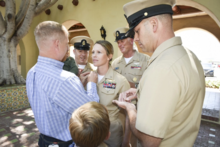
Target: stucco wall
point(92, 14)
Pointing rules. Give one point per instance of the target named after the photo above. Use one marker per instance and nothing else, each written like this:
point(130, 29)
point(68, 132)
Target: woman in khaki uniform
point(110, 84)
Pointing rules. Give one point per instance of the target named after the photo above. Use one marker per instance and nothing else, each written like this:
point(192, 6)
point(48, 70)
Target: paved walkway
point(18, 129)
point(211, 105)
point(208, 136)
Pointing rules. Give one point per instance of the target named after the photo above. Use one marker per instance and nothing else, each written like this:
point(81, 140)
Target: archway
point(203, 43)
point(198, 6)
point(186, 16)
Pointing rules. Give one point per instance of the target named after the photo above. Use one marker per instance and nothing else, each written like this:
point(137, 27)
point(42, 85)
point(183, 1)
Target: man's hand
point(126, 144)
point(83, 78)
point(128, 95)
point(79, 72)
point(93, 77)
point(125, 105)
point(131, 94)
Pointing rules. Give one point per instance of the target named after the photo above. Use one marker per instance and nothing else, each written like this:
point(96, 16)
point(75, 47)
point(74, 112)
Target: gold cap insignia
point(117, 34)
point(84, 42)
point(145, 14)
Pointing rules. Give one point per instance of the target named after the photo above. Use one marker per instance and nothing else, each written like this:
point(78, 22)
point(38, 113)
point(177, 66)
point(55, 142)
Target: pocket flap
point(108, 90)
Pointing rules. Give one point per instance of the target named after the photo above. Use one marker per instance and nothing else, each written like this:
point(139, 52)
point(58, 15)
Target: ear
point(56, 44)
point(110, 56)
point(132, 40)
point(154, 23)
point(107, 137)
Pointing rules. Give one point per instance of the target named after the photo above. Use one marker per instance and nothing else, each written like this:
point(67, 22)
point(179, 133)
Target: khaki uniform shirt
point(135, 67)
point(171, 94)
point(109, 88)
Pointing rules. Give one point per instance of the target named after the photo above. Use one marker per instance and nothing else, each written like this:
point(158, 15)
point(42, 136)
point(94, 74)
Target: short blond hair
point(89, 125)
point(48, 29)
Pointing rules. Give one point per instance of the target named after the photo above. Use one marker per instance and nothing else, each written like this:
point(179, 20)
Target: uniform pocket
point(136, 69)
point(108, 91)
point(135, 75)
point(135, 72)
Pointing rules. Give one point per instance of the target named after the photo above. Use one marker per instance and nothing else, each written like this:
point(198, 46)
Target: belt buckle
point(54, 145)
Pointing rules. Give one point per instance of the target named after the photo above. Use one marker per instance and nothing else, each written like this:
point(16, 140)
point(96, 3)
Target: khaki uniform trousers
point(116, 136)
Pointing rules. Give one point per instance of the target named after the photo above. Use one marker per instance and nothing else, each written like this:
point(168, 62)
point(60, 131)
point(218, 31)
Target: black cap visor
point(83, 45)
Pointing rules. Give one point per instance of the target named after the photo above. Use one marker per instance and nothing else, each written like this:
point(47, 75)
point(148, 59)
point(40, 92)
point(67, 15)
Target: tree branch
point(44, 5)
point(41, 6)
point(22, 12)
point(23, 30)
point(2, 24)
point(10, 18)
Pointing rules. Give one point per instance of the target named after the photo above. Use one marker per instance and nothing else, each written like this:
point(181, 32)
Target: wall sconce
point(103, 32)
point(75, 2)
point(2, 3)
point(60, 7)
point(48, 11)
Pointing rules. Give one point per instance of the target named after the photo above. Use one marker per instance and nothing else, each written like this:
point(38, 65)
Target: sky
point(204, 44)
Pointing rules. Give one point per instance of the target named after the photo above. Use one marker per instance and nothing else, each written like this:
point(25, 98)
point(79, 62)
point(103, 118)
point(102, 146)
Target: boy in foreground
point(89, 125)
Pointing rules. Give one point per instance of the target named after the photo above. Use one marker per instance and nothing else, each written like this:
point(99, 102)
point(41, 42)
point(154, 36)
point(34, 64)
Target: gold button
point(134, 79)
point(145, 14)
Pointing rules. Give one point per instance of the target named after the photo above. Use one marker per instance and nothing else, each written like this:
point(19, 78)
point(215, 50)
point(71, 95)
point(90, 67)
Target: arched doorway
point(206, 47)
point(198, 6)
point(76, 28)
point(187, 16)
point(203, 43)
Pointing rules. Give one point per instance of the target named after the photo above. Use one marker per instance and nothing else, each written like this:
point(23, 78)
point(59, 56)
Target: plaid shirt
point(54, 94)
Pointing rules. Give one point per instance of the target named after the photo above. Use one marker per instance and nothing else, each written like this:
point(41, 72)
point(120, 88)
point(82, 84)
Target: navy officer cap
point(81, 42)
point(120, 33)
point(138, 10)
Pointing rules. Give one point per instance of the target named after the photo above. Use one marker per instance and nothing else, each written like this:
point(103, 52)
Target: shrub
point(213, 83)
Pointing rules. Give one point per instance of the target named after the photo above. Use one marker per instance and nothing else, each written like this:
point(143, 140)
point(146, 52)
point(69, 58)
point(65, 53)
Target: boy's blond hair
point(89, 125)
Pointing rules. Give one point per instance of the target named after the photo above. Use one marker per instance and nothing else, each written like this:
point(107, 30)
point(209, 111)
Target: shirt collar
point(50, 61)
point(87, 67)
point(121, 59)
point(164, 46)
point(134, 57)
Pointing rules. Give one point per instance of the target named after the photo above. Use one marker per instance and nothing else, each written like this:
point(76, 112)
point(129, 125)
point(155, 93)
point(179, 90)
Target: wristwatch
point(136, 85)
